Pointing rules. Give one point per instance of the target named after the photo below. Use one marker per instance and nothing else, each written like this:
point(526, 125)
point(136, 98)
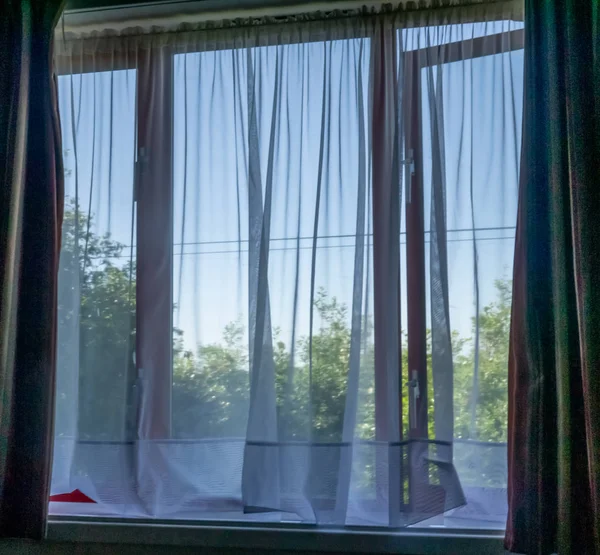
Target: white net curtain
point(285, 269)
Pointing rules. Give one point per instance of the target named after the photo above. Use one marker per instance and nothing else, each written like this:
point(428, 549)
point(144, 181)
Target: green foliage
point(210, 395)
point(96, 319)
point(210, 389)
point(492, 394)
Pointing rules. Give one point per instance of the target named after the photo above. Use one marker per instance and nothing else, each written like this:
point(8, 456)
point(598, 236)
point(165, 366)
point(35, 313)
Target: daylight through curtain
point(285, 270)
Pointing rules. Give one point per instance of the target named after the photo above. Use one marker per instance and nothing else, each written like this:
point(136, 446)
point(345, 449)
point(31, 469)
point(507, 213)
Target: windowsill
point(453, 521)
point(262, 537)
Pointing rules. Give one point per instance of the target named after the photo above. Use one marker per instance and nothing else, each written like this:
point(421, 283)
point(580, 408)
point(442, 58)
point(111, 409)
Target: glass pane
point(95, 408)
point(272, 223)
point(471, 127)
point(216, 155)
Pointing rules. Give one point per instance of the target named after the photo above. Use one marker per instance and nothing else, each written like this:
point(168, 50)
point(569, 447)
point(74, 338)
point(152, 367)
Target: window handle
point(410, 164)
point(142, 158)
point(416, 393)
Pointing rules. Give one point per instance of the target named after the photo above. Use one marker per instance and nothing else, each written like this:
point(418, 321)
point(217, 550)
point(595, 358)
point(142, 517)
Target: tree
point(210, 389)
point(492, 394)
point(96, 323)
point(211, 383)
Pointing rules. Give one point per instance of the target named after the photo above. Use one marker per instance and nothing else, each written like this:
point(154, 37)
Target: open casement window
point(449, 231)
point(259, 287)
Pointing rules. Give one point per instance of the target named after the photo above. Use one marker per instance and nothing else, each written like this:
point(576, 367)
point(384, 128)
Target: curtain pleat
point(30, 223)
point(386, 185)
point(260, 479)
point(554, 387)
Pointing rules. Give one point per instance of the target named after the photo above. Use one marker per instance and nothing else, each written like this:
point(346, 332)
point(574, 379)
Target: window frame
point(157, 160)
point(417, 60)
point(154, 232)
point(154, 203)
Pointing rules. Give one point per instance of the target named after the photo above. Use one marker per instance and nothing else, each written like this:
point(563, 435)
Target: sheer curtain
point(284, 266)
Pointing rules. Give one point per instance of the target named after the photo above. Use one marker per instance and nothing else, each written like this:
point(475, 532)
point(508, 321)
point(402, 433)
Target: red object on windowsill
point(75, 496)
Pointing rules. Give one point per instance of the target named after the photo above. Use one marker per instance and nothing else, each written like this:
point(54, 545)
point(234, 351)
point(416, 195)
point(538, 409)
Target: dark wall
point(21, 547)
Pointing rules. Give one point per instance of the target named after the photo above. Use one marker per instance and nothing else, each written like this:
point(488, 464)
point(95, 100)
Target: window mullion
point(416, 373)
point(386, 264)
point(154, 270)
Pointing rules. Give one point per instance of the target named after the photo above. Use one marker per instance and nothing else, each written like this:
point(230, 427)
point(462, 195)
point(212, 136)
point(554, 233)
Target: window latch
point(414, 385)
point(142, 158)
point(409, 163)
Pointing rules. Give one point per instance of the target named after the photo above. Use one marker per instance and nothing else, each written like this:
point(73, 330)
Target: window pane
point(478, 108)
point(247, 119)
point(95, 409)
point(271, 410)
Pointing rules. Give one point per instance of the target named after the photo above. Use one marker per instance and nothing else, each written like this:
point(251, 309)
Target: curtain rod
point(166, 6)
point(79, 6)
point(83, 13)
point(117, 15)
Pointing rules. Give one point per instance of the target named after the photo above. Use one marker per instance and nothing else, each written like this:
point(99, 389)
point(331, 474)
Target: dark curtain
point(31, 197)
point(554, 370)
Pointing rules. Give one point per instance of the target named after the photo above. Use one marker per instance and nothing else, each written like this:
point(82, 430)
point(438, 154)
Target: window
point(284, 290)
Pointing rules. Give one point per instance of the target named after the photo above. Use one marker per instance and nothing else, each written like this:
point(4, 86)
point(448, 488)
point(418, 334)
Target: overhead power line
point(309, 247)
